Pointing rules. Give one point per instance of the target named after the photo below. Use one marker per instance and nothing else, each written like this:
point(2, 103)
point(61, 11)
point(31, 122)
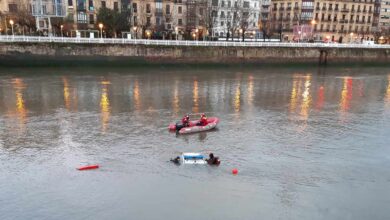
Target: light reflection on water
point(280, 128)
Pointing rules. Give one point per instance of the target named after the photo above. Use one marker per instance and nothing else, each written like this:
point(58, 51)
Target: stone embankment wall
point(59, 53)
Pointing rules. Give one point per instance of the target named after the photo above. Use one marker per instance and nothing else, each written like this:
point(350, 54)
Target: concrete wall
point(49, 53)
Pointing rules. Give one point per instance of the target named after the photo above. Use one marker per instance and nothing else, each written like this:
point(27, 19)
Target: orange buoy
point(89, 167)
point(234, 171)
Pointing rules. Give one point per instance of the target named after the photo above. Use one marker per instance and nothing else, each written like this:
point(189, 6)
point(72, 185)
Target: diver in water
point(213, 160)
point(176, 160)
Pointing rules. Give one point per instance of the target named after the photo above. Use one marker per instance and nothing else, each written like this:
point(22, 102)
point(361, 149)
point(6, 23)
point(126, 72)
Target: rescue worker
point(203, 120)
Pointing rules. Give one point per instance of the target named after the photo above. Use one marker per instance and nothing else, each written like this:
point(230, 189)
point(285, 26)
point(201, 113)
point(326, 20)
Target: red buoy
point(89, 167)
point(234, 171)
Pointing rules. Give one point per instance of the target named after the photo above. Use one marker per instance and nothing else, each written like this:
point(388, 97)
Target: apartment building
point(384, 17)
point(83, 12)
point(10, 10)
point(229, 16)
point(342, 21)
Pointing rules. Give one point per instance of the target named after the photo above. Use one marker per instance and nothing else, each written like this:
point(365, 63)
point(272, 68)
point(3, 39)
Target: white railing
point(11, 39)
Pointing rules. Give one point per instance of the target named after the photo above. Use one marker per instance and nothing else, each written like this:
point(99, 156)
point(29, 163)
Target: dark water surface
point(308, 144)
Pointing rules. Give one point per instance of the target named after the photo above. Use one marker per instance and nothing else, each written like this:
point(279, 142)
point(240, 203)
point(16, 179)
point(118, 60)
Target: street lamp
point(299, 35)
point(101, 30)
point(194, 35)
point(328, 39)
point(176, 31)
point(313, 23)
point(148, 34)
point(351, 34)
point(62, 27)
point(196, 31)
point(254, 35)
point(11, 22)
point(135, 32)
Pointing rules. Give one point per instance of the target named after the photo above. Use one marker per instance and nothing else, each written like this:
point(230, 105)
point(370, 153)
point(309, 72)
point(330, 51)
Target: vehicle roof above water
point(193, 156)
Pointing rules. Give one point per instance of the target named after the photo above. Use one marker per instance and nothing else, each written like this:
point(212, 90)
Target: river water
point(308, 143)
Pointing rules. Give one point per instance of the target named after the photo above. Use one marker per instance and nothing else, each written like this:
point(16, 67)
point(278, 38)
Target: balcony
point(345, 10)
point(287, 19)
point(281, 8)
point(317, 8)
point(158, 13)
point(364, 11)
point(288, 8)
point(296, 8)
point(323, 8)
point(343, 21)
point(336, 9)
point(359, 10)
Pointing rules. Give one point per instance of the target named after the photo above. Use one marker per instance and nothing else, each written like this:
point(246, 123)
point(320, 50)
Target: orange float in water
point(89, 167)
point(234, 171)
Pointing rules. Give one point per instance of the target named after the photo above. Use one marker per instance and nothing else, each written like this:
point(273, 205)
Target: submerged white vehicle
point(193, 158)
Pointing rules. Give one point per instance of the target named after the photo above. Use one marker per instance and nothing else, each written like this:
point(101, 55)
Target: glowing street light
point(351, 34)
point(299, 35)
point(101, 30)
point(176, 31)
point(11, 22)
point(62, 27)
point(135, 32)
point(148, 33)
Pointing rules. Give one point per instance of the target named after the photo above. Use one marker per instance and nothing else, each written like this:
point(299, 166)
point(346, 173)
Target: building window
point(158, 21)
point(148, 21)
point(103, 4)
point(168, 9)
point(135, 7)
point(180, 21)
point(148, 8)
point(223, 4)
point(369, 19)
point(229, 4)
point(135, 20)
point(91, 19)
point(13, 8)
point(70, 2)
point(179, 9)
point(81, 17)
point(116, 8)
point(200, 11)
point(214, 2)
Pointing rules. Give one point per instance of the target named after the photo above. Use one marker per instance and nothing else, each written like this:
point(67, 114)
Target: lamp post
point(254, 35)
point(239, 31)
point(11, 22)
point(148, 34)
point(135, 32)
point(299, 35)
point(194, 36)
point(176, 31)
point(62, 33)
point(351, 34)
point(313, 23)
point(101, 30)
point(197, 35)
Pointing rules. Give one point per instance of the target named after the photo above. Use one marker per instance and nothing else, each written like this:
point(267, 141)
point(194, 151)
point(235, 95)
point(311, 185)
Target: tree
point(114, 22)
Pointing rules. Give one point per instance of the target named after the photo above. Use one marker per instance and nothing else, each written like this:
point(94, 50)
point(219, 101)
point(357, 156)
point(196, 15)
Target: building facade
point(384, 16)
point(232, 17)
point(329, 20)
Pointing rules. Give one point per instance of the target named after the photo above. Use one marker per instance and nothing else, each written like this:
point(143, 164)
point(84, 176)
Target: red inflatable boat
point(211, 124)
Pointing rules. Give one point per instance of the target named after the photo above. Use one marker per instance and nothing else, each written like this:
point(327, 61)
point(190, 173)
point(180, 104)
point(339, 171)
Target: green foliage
point(113, 21)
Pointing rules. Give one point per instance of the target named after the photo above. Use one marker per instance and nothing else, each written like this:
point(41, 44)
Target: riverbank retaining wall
point(18, 54)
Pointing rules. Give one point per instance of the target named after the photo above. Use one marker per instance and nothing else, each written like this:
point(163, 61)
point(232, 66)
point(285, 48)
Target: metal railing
point(259, 43)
